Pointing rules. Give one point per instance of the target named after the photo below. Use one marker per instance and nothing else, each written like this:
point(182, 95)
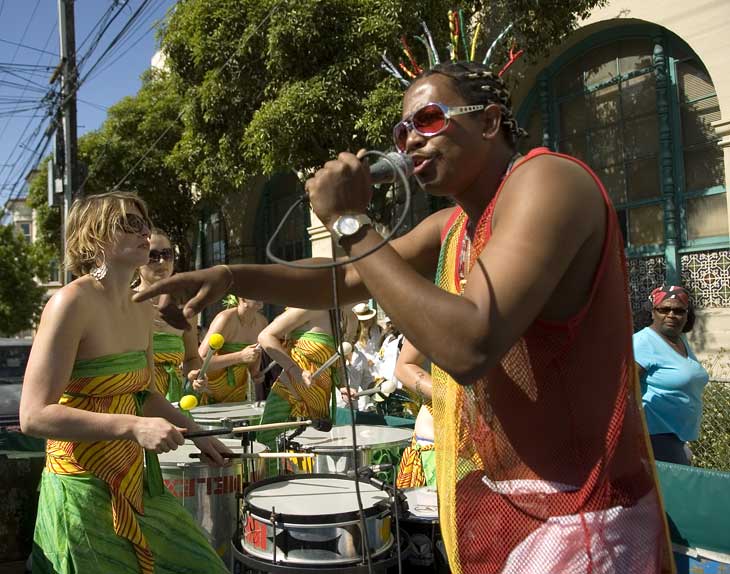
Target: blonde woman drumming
point(172, 348)
point(89, 390)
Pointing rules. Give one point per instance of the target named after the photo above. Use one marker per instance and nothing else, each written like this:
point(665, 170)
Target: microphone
point(383, 170)
point(322, 425)
point(372, 469)
point(368, 473)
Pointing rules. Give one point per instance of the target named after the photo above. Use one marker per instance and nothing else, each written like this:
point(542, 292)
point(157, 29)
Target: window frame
point(544, 95)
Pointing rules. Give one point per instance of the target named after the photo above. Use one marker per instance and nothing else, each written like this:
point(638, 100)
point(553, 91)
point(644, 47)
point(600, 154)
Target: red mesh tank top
point(543, 465)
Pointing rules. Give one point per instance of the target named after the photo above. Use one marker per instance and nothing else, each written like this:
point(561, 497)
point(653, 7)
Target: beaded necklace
point(477, 232)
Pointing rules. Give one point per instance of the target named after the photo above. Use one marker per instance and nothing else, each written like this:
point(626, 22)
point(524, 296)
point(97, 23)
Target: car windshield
point(13, 359)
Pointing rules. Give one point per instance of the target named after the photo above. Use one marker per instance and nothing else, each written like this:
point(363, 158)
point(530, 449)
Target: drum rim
point(348, 448)
point(221, 419)
point(390, 559)
point(305, 520)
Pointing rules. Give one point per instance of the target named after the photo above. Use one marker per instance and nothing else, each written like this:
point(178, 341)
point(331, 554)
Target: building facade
point(641, 92)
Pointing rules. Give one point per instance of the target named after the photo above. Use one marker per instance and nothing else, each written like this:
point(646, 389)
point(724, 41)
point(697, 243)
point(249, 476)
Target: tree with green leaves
point(21, 297)
point(279, 84)
point(132, 151)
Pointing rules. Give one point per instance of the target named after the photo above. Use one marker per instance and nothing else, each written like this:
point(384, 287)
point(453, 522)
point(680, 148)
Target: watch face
point(347, 225)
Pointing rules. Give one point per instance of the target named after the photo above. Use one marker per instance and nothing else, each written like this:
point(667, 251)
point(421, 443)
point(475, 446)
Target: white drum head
point(340, 438)
point(222, 411)
point(423, 502)
point(181, 456)
point(314, 496)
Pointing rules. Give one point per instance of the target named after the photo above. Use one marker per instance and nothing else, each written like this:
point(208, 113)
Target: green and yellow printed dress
point(231, 384)
point(310, 351)
point(101, 509)
point(169, 353)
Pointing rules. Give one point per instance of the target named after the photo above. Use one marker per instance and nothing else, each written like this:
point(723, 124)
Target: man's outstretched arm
point(303, 288)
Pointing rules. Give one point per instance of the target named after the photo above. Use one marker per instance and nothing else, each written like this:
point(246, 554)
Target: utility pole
point(69, 78)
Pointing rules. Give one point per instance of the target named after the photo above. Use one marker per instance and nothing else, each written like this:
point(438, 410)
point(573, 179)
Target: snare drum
point(207, 492)
point(228, 415)
point(333, 449)
point(313, 520)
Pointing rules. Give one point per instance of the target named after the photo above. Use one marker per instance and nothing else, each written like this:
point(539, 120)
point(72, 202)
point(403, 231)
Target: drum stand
point(287, 444)
point(246, 475)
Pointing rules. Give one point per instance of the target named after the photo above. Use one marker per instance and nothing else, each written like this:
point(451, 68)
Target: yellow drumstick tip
point(216, 341)
point(188, 402)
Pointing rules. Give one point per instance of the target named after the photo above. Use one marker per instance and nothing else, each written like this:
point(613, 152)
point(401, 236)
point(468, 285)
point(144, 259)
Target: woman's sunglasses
point(133, 223)
point(679, 312)
point(428, 121)
point(161, 255)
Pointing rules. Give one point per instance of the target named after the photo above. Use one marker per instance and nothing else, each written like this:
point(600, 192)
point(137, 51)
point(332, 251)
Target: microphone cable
point(336, 331)
point(334, 264)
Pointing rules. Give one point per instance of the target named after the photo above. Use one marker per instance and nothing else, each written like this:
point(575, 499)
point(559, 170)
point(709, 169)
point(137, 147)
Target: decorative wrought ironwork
point(645, 274)
point(707, 275)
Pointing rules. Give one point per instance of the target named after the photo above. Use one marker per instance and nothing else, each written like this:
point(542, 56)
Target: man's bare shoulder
point(551, 183)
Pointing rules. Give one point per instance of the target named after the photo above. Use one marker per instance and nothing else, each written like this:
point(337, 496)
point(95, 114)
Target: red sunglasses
point(428, 121)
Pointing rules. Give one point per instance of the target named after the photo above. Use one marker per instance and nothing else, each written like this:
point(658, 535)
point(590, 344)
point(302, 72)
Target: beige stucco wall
point(319, 235)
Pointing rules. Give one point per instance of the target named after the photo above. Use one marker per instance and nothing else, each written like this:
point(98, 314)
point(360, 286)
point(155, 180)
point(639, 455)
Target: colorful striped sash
point(169, 353)
point(109, 384)
point(411, 473)
point(310, 351)
point(229, 385)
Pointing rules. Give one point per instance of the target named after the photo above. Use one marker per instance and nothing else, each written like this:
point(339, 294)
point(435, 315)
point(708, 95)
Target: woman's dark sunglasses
point(680, 312)
point(428, 121)
point(133, 223)
point(166, 254)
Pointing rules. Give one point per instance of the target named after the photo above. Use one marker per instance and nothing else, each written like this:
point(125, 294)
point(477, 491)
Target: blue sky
point(34, 24)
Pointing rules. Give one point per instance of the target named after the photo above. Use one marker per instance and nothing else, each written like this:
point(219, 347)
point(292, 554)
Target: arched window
point(636, 104)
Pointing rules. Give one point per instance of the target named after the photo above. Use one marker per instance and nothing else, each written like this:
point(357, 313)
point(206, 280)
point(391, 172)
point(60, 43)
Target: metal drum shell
point(333, 450)
point(228, 415)
point(321, 540)
point(209, 493)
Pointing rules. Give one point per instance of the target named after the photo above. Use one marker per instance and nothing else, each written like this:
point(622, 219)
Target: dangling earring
point(99, 271)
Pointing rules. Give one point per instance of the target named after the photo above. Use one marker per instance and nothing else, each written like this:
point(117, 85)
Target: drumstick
point(251, 428)
point(258, 455)
point(215, 342)
point(346, 349)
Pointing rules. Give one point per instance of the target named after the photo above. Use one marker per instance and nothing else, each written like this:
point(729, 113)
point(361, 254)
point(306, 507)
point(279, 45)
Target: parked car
point(13, 360)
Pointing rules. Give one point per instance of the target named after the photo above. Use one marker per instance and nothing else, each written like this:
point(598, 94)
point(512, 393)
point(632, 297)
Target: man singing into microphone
point(542, 460)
